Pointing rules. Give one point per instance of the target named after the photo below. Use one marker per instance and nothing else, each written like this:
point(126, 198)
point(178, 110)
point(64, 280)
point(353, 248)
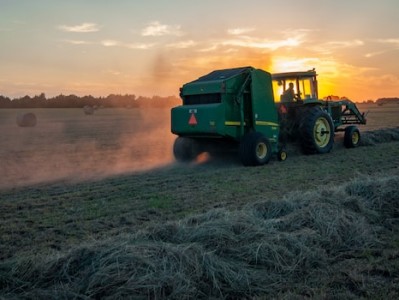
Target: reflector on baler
point(192, 120)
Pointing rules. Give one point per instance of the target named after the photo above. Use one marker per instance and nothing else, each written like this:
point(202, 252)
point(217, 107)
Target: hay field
point(66, 144)
point(111, 215)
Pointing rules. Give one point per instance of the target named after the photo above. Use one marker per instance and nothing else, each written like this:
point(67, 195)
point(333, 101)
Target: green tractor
point(258, 113)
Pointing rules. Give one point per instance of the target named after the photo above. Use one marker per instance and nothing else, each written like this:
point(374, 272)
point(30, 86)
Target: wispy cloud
point(211, 48)
point(389, 41)
point(239, 31)
point(139, 46)
point(182, 44)
point(238, 39)
point(389, 45)
point(345, 44)
point(242, 39)
point(331, 46)
point(297, 31)
point(286, 64)
point(372, 54)
point(110, 43)
point(77, 42)
point(82, 28)
point(114, 43)
point(157, 29)
point(252, 42)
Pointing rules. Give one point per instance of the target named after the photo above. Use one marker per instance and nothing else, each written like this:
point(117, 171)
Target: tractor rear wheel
point(351, 137)
point(255, 149)
point(317, 131)
point(185, 149)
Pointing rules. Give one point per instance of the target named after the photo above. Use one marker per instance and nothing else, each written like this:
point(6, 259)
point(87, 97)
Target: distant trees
point(380, 101)
point(5, 102)
point(383, 101)
point(368, 101)
point(73, 101)
point(114, 100)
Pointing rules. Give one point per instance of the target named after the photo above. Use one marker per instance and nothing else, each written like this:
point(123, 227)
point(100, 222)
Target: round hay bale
point(26, 120)
point(88, 110)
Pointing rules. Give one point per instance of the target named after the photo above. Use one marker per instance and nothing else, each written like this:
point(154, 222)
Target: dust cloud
point(67, 145)
point(170, 69)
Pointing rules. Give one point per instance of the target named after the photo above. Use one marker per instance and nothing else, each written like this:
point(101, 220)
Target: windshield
point(304, 88)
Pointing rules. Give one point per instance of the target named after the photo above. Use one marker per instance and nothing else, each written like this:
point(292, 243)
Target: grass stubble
point(331, 242)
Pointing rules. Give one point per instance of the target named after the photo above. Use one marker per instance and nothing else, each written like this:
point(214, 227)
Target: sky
point(152, 47)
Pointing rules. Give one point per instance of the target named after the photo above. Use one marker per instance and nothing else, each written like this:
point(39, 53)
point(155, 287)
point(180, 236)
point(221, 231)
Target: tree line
point(73, 101)
point(112, 100)
point(383, 101)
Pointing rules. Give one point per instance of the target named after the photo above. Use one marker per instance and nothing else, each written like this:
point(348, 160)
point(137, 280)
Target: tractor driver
point(289, 94)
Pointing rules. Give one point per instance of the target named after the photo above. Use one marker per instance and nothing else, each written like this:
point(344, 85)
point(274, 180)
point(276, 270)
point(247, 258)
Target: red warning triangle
point(283, 109)
point(193, 120)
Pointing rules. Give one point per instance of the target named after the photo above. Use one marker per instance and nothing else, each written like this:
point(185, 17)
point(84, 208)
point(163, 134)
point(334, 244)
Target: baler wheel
point(351, 137)
point(185, 149)
point(282, 155)
point(317, 131)
point(255, 149)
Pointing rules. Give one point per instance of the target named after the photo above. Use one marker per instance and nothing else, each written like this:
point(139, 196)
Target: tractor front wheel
point(185, 149)
point(317, 131)
point(351, 137)
point(255, 149)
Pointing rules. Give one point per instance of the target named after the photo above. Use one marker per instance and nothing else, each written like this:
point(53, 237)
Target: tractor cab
point(295, 87)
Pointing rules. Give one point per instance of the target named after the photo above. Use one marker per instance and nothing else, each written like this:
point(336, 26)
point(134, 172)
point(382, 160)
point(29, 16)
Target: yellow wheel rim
point(322, 132)
point(355, 138)
point(261, 150)
point(283, 156)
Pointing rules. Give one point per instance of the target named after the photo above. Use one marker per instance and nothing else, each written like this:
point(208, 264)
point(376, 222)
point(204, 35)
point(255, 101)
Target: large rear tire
point(351, 137)
point(255, 149)
point(317, 131)
point(185, 149)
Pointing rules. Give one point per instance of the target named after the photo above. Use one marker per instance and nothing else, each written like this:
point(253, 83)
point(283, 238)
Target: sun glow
point(325, 89)
point(288, 64)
